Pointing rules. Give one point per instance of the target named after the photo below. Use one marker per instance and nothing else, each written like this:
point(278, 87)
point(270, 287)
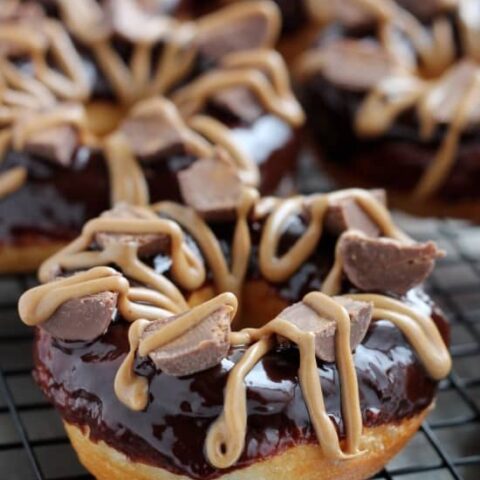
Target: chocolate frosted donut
point(107, 102)
point(263, 338)
point(396, 106)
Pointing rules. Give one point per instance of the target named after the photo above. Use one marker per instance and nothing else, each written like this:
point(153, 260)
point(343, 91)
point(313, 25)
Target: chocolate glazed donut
point(239, 337)
point(401, 111)
point(109, 102)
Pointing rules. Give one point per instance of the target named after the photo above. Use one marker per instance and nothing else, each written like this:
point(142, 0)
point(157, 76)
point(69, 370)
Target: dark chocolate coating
point(78, 378)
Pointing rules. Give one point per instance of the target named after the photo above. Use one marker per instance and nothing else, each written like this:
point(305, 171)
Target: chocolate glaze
point(78, 378)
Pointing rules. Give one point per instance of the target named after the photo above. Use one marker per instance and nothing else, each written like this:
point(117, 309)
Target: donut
point(259, 338)
point(401, 111)
point(107, 102)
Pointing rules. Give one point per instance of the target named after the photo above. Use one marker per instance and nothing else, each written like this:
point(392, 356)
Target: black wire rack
point(33, 444)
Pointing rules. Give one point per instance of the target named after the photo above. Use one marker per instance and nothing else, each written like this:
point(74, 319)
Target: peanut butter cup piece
point(200, 348)
point(308, 320)
point(239, 102)
point(83, 319)
point(212, 187)
point(355, 65)
point(385, 264)
point(240, 27)
point(346, 214)
point(56, 144)
point(151, 135)
point(148, 244)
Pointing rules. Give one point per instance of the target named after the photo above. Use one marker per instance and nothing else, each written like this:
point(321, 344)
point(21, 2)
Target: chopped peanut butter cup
point(250, 26)
point(148, 244)
point(324, 328)
point(151, 132)
point(356, 65)
point(56, 144)
point(385, 264)
point(212, 187)
point(83, 318)
point(239, 102)
point(200, 348)
point(346, 214)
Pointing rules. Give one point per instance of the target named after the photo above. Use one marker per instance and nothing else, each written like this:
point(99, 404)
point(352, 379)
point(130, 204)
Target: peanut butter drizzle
point(225, 278)
point(12, 180)
point(226, 437)
point(411, 85)
point(160, 298)
point(270, 88)
point(187, 270)
point(30, 96)
point(127, 181)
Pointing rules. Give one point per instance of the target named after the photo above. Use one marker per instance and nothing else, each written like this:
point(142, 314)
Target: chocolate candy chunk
point(236, 28)
point(200, 348)
point(347, 214)
point(56, 144)
point(83, 319)
point(356, 65)
point(384, 264)
point(151, 135)
point(212, 187)
point(239, 102)
point(307, 320)
point(148, 244)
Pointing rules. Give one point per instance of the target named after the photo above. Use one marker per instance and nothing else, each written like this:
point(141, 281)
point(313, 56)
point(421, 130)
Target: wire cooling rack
point(33, 444)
